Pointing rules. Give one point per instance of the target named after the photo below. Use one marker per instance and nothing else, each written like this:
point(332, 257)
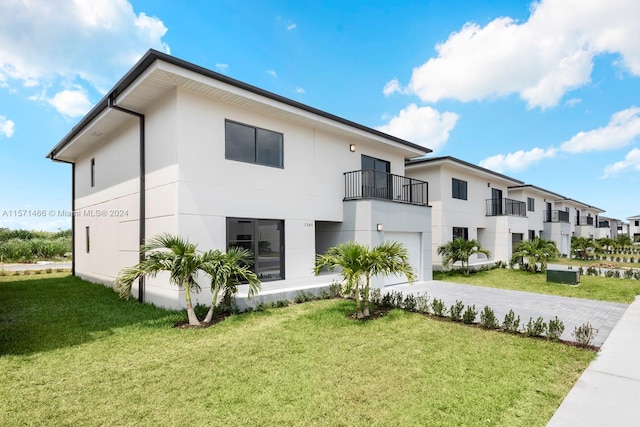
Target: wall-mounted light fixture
point(379, 227)
point(352, 148)
point(488, 184)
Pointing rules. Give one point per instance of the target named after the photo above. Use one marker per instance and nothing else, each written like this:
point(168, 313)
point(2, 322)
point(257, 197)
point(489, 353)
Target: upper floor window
point(458, 189)
point(531, 204)
point(93, 172)
point(253, 145)
point(636, 223)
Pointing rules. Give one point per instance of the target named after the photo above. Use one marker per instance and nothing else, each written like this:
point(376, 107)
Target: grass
point(591, 287)
point(595, 263)
point(72, 353)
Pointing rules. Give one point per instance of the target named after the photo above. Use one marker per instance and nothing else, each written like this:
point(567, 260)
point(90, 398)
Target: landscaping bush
point(555, 329)
point(511, 322)
point(535, 328)
point(438, 307)
point(422, 303)
point(488, 318)
point(455, 312)
point(469, 315)
point(584, 334)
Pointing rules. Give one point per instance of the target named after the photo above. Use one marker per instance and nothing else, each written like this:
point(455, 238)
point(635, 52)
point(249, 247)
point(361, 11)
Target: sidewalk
point(608, 391)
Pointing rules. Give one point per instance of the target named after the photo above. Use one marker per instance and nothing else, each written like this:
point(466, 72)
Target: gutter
point(142, 220)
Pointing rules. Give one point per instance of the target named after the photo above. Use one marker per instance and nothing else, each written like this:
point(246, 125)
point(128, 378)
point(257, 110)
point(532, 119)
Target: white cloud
point(540, 59)
point(572, 102)
point(622, 130)
point(272, 73)
point(300, 90)
point(291, 27)
point(7, 127)
point(391, 87)
point(222, 67)
point(93, 41)
point(520, 160)
point(630, 162)
point(422, 125)
point(71, 103)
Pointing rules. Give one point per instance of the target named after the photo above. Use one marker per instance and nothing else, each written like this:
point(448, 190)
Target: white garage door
point(412, 242)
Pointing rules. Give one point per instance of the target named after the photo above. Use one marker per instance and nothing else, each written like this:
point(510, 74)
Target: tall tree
point(461, 250)
point(535, 251)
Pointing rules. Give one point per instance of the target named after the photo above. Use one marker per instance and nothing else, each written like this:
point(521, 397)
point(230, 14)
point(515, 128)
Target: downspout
point(142, 220)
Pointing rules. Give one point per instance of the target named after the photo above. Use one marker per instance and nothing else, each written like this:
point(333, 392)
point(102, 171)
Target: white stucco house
point(499, 211)
point(634, 228)
point(178, 148)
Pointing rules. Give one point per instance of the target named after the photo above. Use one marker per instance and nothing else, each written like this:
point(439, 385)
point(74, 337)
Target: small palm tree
point(172, 254)
point(461, 250)
point(227, 270)
point(348, 257)
point(535, 251)
point(357, 261)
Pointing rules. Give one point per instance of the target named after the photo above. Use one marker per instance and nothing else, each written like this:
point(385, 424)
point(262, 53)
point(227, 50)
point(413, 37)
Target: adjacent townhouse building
point(634, 228)
point(472, 202)
point(177, 148)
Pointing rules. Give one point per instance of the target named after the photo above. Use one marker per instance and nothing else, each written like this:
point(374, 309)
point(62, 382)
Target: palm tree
point(172, 254)
point(386, 259)
point(348, 257)
point(536, 251)
point(583, 246)
point(461, 250)
point(357, 261)
point(227, 270)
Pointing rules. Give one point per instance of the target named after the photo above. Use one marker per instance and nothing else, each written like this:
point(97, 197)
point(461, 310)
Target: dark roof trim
point(420, 161)
point(560, 196)
point(152, 55)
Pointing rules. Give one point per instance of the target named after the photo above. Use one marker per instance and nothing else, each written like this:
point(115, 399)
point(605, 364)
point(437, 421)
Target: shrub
point(397, 299)
point(335, 289)
point(511, 322)
point(375, 296)
point(48, 270)
point(3, 272)
point(455, 312)
point(422, 303)
point(387, 299)
point(438, 307)
point(410, 302)
point(488, 318)
point(628, 274)
point(555, 329)
point(469, 315)
point(535, 328)
point(303, 296)
point(584, 334)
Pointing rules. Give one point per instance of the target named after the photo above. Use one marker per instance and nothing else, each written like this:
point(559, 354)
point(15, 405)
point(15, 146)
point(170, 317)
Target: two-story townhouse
point(608, 227)
point(177, 148)
point(546, 220)
point(471, 202)
point(583, 217)
point(634, 228)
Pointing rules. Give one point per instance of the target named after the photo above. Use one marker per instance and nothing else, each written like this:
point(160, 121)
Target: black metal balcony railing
point(504, 206)
point(604, 224)
point(373, 184)
point(584, 220)
point(556, 216)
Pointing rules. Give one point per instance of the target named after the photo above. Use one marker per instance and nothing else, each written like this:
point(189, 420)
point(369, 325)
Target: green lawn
point(72, 353)
point(590, 287)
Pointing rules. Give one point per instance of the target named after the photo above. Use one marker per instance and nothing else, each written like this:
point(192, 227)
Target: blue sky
point(547, 92)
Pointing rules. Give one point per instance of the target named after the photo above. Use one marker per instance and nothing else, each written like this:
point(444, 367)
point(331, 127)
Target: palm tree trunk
point(214, 302)
point(191, 314)
point(356, 289)
point(366, 298)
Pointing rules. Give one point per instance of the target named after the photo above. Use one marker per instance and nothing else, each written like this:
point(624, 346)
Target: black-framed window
point(532, 234)
point(93, 172)
point(264, 238)
point(250, 144)
point(460, 232)
point(531, 204)
point(87, 233)
point(376, 179)
point(458, 189)
point(636, 223)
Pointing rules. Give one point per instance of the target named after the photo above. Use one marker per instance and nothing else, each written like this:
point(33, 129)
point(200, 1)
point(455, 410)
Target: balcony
point(584, 220)
point(373, 184)
point(556, 216)
point(510, 207)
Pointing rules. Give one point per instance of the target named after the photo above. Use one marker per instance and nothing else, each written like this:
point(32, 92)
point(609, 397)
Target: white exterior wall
point(634, 229)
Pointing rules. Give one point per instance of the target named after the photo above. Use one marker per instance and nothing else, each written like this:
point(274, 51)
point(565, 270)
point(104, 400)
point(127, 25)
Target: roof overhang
point(455, 162)
point(157, 73)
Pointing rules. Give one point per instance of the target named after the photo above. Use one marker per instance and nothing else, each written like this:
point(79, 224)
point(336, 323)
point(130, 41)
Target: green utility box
point(568, 277)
